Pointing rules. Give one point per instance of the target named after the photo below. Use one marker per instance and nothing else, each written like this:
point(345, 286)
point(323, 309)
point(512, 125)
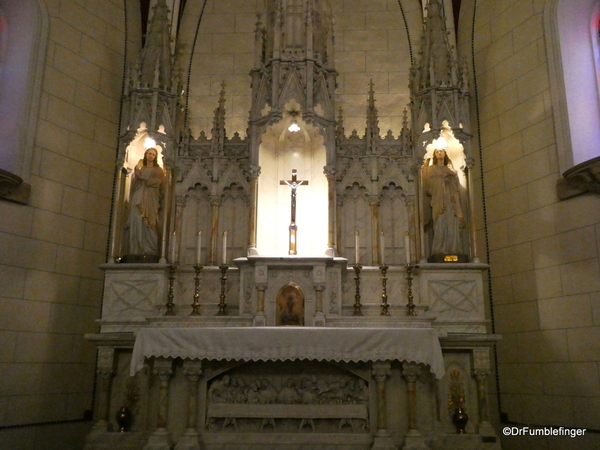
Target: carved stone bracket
point(584, 177)
point(13, 188)
point(105, 370)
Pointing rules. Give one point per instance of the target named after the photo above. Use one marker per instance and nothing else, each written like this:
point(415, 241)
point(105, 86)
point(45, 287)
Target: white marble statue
point(146, 194)
point(442, 189)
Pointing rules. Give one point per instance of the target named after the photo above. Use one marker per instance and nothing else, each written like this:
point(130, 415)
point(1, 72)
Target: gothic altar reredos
point(341, 308)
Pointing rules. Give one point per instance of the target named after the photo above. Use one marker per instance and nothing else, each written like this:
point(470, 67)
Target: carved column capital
point(253, 171)
point(319, 287)
point(374, 200)
point(179, 200)
point(261, 286)
point(481, 358)
point(214, 200)
point(330, 172)
point(192, 370)
point(163, 369)
point(106, 362)
point(411, 372)
point(381, 370)
point(481, 374)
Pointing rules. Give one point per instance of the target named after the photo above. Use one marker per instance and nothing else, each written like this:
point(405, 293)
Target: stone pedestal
point(159, 440)
point(414, 441)
point(383, 441)
point(112, 440)
point(188, 441)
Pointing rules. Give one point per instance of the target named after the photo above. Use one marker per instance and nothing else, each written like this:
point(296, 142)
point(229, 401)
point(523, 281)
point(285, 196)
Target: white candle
point(407, 247)
point(224, 247)
point(382, 246)
point(173, 248)
point(356, 246)
point(199, 248)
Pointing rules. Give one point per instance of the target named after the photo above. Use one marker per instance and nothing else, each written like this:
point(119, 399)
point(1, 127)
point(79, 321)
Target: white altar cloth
point(419, 345)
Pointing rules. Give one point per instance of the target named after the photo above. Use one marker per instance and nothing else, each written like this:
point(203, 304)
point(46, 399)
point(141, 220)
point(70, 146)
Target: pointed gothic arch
point(26, 22)
point(574, 62)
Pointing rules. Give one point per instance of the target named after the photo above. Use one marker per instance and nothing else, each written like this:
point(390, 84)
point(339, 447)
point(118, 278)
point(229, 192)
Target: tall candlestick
point(173, 248)
point(382, 246)
point(356, 246)
point(224, 247)
point(199, 248)
point(407, 247)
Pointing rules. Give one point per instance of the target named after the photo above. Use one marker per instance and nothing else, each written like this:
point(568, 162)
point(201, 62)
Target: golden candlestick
point(222, 304)
point(384, 297)
point(196, 304)
point(170, 304)
point(410, 305)
point(357, 304)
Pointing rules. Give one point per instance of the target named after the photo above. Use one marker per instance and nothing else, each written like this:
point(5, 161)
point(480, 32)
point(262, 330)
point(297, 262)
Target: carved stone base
point(159, 440)
point(260, 320)
point(188, 441)
point(383, 441)
point(112, 440)
point(319, 320)
point(414, 441)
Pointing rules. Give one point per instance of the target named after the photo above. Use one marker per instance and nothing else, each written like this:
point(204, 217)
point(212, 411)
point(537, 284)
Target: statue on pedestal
point(146, 196)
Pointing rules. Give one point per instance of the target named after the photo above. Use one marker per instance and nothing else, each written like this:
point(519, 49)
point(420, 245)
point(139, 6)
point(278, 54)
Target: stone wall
point(544, 253)
point(50, 249)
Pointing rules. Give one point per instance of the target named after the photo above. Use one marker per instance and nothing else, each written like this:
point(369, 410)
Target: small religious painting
point(290, 306)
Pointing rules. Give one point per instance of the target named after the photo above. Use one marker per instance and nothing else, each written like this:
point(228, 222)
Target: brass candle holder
point(222, 304)
point(410, 305)
point(384, 297)
point(170, 304)
point(357, 304)
point(196, 304)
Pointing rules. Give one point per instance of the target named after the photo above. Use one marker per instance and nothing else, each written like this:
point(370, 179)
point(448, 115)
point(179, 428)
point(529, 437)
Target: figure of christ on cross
point(293, 183)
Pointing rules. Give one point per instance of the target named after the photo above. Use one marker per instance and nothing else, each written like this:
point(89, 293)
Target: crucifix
point(293, 183)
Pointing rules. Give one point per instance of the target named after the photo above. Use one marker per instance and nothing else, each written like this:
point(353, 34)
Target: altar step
point(286, 441)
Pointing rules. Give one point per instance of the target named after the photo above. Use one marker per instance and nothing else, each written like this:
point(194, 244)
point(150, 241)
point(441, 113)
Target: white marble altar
point(355, 342)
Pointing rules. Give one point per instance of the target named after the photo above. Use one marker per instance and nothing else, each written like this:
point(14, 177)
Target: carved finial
point(157, 50)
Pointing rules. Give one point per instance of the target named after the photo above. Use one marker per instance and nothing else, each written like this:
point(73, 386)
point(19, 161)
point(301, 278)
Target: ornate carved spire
point(439, 95)
point(372, 131)
point(437, 54)
point(294, 61)
point(155, 60)
point(153, 89)
point(218, 130)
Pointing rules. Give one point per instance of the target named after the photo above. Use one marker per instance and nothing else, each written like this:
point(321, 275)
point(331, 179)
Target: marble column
point(161, 438)
point(319, 314)
point(105, 370)
point(166, 213)
point(382, 439)
point(116, 228)
point(419, 199)
point(254, 173)
point(411, 226)
point(413, 440)
point(374, 204)
point(481, 371)
point(261, 278)
point(332, 219)
point(260, 319)
point(189, 439)
point(471, 223)
point(215, 202)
